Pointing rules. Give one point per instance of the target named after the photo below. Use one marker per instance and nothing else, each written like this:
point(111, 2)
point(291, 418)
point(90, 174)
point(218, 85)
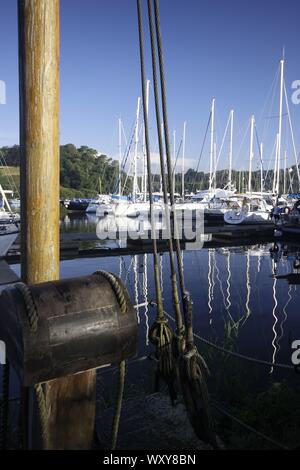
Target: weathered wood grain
point(71, 399)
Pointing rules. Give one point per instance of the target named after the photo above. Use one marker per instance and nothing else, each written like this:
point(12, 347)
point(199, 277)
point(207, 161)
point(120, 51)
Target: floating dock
point(72, 243)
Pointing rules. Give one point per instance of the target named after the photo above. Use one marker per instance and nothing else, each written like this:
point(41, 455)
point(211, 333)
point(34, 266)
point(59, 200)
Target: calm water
point(236, 294)
point(234, 290)
point(238, 302)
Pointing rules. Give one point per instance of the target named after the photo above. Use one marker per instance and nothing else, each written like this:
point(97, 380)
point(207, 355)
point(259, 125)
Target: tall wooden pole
point(39, 138)
point(71, 400)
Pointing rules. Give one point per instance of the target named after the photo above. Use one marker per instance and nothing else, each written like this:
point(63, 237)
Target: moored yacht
point(251, 211)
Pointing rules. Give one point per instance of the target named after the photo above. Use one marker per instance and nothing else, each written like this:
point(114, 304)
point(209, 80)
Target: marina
point(149, 265)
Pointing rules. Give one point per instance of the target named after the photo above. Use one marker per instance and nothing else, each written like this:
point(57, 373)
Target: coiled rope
point(32, 316)
point(118, 289)
point(160, 333)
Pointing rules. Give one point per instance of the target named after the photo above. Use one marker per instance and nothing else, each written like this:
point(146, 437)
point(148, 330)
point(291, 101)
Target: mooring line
point(232, 353)
point(225, 412)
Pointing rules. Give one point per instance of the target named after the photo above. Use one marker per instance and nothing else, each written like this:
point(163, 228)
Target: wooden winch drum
point(80, 326)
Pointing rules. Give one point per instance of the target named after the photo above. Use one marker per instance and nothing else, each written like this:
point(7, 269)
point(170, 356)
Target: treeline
point(85, 173)
point(195, 181)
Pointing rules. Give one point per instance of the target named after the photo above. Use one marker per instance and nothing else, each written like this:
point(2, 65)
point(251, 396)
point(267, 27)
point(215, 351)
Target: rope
point(119, 292)
point(176, 305)
point(223, 411)
point(235, 354)
point(40, 395)
point(117, 288)
point(219, 407)
point(193, 384)
point(43, 413)
point(4, 407)
point(160, 333)
point(118, 409)
point(30, 306)
point(167, 145)
point(201, 152)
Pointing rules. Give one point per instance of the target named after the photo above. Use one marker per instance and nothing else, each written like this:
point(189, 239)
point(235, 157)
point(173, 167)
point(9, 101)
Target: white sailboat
point(8, 235)
point(252, 211)
point(9, 225)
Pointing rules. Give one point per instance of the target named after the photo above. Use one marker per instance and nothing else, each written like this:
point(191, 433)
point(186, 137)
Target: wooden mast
point(71, 400)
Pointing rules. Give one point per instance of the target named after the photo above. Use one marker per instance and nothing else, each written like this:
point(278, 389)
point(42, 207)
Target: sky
point(229, 50)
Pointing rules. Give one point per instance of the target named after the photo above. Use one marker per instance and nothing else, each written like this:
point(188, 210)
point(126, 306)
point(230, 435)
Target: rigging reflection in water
point(211, 281)
point(274, 345)
point(228, 281)
point(145, 295)
point(247, 295)
point(248, 287)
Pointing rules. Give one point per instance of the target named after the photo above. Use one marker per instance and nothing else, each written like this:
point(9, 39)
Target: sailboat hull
point(8, 235)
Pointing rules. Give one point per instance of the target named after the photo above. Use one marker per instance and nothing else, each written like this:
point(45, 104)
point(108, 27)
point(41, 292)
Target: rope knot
point(194, 363)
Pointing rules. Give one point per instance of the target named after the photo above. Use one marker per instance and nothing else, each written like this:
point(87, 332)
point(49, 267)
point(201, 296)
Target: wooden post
point(71, 400)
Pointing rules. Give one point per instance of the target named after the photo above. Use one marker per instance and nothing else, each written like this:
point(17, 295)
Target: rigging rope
point(202, 148)
point(222, 410)
point(190, 363)
point(235, 354)
point(176, 304)
point(160, 333)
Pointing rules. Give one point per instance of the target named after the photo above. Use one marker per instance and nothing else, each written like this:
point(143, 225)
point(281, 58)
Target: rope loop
point(32, 316)
point(161, 335)
point(195, 364)
point(43, 413)
point(30, 305)
point(117, 288)
point(192, 370)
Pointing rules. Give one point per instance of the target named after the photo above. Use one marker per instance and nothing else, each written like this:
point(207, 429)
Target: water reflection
point(245, 295)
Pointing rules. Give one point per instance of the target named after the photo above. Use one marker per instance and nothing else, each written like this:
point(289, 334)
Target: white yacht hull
point(101, 210)
point(237, 217)
point(8, 235)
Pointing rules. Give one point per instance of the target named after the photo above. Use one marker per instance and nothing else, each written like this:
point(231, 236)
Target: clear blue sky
point(227, 49)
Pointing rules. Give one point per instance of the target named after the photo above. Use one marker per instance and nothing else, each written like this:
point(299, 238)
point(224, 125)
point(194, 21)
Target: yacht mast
point(276, 165)
point(160, 176)
point(251, 153)
point(212, 131)
point(280, 122)
point(136, 141)
point(174, 157)
point(230, 151)
point(215, 165)
point(284, 173)
point(183, 158)
point(120, 154)
point(144, 185)
point(261, 168)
